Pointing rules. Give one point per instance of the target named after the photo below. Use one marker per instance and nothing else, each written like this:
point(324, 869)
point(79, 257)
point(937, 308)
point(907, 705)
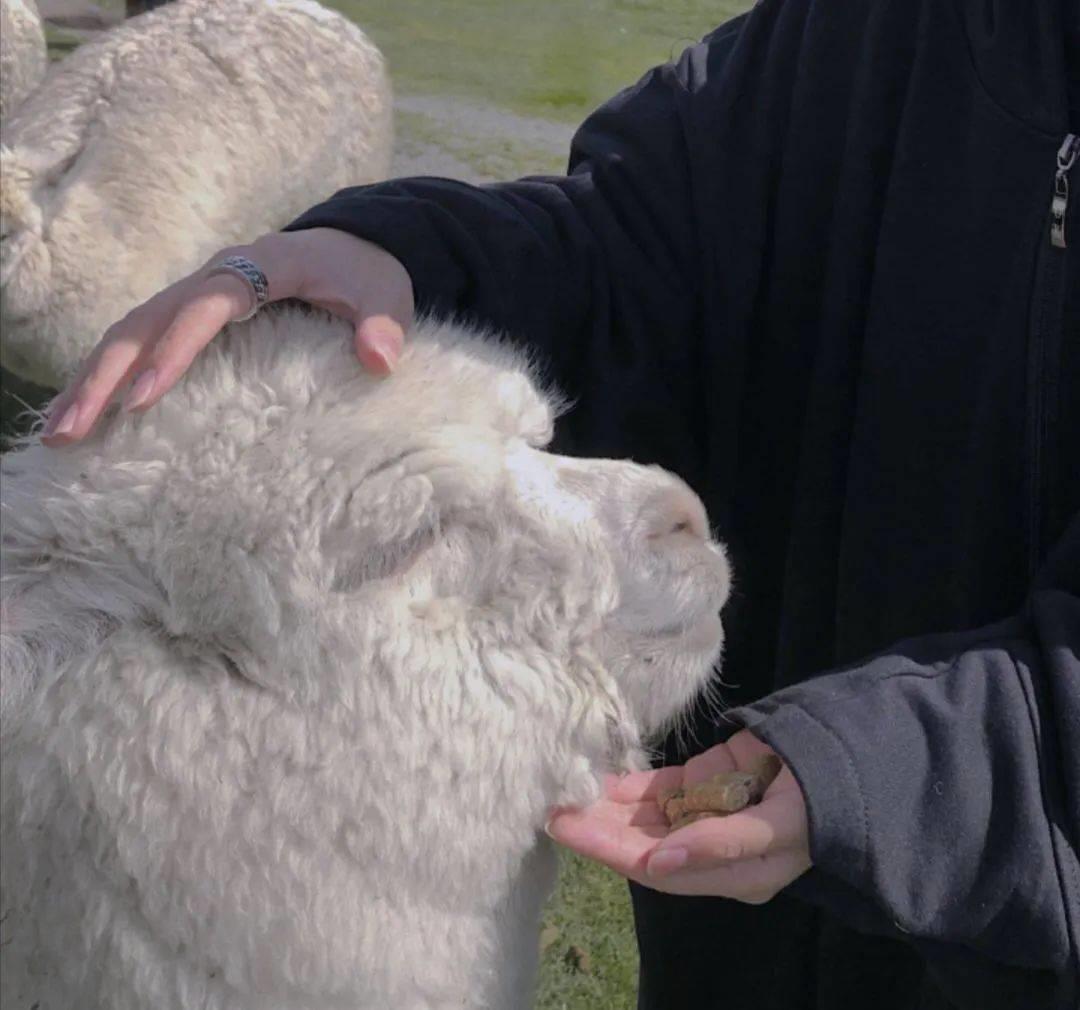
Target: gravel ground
point(462, 138)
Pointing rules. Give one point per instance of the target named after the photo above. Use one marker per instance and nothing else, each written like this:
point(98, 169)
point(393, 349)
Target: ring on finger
point(258, 285)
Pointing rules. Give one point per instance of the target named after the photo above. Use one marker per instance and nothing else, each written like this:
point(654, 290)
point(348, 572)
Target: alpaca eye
point(681, 527)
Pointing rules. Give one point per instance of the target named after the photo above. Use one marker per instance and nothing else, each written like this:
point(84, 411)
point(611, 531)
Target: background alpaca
point(22, 65)
point(305, 657)
point(147, 149)
point(22, 52)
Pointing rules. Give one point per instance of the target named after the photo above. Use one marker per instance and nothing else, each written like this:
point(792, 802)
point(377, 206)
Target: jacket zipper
point(1059, 205)
point(1046, 323)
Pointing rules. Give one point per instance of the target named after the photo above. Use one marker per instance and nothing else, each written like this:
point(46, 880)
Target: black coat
point(809, 267)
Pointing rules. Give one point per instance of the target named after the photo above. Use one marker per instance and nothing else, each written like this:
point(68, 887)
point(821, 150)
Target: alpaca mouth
point(707, 632)
point(701, 629)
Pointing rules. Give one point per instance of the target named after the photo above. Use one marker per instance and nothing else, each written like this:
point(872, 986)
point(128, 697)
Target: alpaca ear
point(378, 528)
point(529, 414)
point(253, 584)
point(392, 512)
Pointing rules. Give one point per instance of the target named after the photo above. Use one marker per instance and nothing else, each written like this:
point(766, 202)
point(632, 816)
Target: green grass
point(590, 910)
point(557, 59)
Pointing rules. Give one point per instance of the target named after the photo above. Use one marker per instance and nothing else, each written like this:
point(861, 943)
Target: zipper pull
point(1059, 206)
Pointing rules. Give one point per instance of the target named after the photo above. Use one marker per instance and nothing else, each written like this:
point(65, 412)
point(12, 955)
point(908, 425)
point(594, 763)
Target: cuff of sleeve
point(407, 228)
point(836, 808)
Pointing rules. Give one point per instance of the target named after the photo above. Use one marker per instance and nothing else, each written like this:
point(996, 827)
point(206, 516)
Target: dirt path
point(464, 139)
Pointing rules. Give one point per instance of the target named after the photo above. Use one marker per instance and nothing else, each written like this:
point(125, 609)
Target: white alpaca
point(201, 124)
point(296, 665)
point(22, 52)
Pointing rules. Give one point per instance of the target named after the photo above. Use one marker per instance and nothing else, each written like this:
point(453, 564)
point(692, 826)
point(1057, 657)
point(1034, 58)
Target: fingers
point(638, 786)
point(715, 761)
point(628, 838)
point(155, 343)
point(778, 822)
point(744, 746)
point(748, 856)
point(220, 298)
point(753, 881)
point(361, 282)
point(73, 413)
point(378, 341)
point(621, 836)
point(647, 785)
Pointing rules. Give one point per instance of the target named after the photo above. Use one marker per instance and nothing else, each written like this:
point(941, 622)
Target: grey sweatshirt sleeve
point(942, 782)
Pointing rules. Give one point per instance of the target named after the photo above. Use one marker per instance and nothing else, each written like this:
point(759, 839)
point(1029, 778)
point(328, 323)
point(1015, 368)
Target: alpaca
point(22, 52)
point(198, 125)
point(23, 59)
point(297, 663)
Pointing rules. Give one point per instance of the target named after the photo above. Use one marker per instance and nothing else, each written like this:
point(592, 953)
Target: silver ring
point(241, 266)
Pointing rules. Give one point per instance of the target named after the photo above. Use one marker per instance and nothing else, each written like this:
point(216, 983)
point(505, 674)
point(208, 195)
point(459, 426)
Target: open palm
point(749, 855)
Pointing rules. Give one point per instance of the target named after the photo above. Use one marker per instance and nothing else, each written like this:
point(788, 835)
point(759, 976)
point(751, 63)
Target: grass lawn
point(556, 59)
point(589, 914)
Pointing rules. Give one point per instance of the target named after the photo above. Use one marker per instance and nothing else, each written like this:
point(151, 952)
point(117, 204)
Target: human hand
point(748, 856)
point(156, 342)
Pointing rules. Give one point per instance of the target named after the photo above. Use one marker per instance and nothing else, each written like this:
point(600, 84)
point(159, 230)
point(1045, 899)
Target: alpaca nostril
point(671, 509)
point(688, 520)
point(685, 524)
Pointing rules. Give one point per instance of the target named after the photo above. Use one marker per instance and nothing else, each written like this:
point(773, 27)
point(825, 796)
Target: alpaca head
point(19, 212)
point(25, 261)
point(282, 508)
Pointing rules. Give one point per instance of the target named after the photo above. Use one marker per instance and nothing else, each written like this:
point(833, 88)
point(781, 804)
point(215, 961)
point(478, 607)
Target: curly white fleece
point(296, 664)
point(22, 52)
point(200, 124)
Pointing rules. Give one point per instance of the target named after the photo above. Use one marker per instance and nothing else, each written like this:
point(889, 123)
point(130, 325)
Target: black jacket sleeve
point(942, 783)
point(560, 261)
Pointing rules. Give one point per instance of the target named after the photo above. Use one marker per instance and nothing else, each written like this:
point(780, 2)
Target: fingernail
point(385, 340)
point(666, 861)
point(385, 360)
point(66, 423)
point(547, 828)
point(388, 349)
point(141, 390)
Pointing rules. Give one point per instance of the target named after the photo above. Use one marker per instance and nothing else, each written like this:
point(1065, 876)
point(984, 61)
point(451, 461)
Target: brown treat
point(723, 794)
point(675, 808)
point(665, 795)
point(766, 767)
point(670, 802)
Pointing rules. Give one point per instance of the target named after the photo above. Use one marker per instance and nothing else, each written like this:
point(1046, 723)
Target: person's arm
point(933, 789)
point(942, 788)
point(600, 271)
point(564, 261)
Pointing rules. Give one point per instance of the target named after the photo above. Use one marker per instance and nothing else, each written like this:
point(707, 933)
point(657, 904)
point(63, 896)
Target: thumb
point(378, 340)
point(777, 823)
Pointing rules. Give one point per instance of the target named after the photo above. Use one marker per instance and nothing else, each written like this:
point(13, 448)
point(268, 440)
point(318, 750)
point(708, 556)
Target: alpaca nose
point(674, 512)
point(676, 529)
